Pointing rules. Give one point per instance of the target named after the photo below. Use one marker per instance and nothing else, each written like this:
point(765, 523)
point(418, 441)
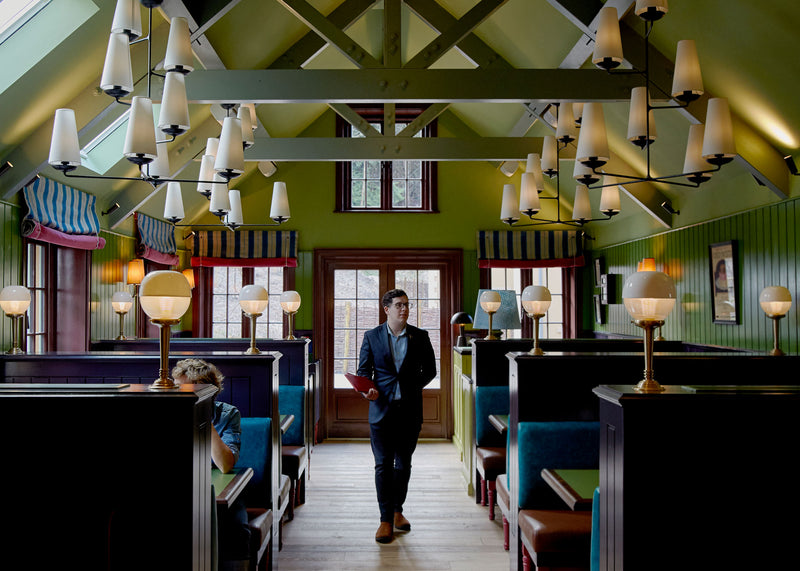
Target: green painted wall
point(108, 276)
point(768, 244)
point(10, 261)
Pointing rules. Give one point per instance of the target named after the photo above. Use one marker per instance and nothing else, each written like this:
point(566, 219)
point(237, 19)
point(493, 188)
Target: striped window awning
point(156, 240)
point(253, 248)
point(531, 249)
point(62, 215)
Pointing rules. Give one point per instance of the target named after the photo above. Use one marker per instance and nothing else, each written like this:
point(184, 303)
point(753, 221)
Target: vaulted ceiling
point(489, 68)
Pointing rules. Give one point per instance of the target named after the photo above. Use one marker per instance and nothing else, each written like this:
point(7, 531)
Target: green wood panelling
point(767, 242)
point(108, 276)
point(10, 261)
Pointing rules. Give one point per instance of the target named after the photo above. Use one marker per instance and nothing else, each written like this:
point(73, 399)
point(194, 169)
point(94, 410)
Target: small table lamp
point(135, 277)
point(536, 301)
point(490, 303)
point(290, 303)
point(775, 301)
point(253, 300)
point(15, 301)
point(649, 298)
point(121, 301)
point(461, 319)
point(165, 296)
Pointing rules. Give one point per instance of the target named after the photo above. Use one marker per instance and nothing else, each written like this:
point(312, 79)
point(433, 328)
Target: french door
point(348, 289)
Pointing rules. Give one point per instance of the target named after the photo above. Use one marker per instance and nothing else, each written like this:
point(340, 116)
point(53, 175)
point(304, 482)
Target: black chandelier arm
point(631, 179)
point(153, 181)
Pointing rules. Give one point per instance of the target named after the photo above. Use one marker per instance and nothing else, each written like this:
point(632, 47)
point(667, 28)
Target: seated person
point(226, 439)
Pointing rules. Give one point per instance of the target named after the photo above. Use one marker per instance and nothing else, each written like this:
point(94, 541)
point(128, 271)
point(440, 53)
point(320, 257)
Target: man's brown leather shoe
point(400, 522)
point(385, 532)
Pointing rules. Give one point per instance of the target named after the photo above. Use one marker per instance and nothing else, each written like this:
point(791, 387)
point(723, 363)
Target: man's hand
point(372, 394)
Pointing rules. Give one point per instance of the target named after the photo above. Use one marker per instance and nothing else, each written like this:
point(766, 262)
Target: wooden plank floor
point(335, 528)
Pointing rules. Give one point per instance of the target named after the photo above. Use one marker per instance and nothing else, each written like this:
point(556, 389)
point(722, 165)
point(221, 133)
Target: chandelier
point(223, 158)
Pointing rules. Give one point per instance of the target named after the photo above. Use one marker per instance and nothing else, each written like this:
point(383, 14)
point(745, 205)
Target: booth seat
point(294, 449)
point(490, 445)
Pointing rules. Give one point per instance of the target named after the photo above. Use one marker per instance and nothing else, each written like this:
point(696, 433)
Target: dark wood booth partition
point(251, 384)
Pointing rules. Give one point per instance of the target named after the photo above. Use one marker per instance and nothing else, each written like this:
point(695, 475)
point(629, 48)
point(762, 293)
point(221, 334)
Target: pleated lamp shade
point(279, 209)
point(117, 77)
point(549, 155)
point(247, 126)
point(593, 141)
point(582, 208)
point(694, 163)
point(174, 116)
point(609, 198)
point(220, 204)
point(173, 206)
point(229, 162)
point(206, 175)
point(65, 150)
point(608, 43)
point(159, 167)
point(140, 141)
point(235, 216)
point(179, 55)
point(127, 19)
point(718, 145)
point(641, 123)
point(509, 209)
point(687, 82)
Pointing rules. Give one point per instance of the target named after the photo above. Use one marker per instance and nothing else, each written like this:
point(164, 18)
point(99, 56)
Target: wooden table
point(228, 486)
point(500, 422)
point(575, 487)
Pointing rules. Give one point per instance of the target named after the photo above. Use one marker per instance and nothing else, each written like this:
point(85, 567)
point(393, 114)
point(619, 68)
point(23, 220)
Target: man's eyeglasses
point(398, 305)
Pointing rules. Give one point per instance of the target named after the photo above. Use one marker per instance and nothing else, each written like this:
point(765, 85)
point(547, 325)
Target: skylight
point(15, 13)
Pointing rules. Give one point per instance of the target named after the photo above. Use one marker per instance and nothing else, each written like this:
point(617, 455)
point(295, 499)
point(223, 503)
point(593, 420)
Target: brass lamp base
point(253, 351)
point(536, 350)
point(164, 381)
point(15, 351)
point(648, 384)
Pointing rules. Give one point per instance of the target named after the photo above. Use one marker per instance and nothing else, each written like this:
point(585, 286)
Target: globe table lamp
point(253, 300)
point(649, 298)
point(121, 302)
point(15, 301)
point(490, 303)
point(165, 296)
point(290, 303)
point(536, 301)
point(461, 319)
point(775, 301)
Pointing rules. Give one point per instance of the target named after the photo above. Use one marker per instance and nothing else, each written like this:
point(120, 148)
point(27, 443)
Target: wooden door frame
point(451, 284)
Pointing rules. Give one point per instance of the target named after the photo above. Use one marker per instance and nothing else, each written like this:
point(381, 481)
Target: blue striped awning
point(61, 207)
point(531, 249)
point(156, 234)
point(245, 248)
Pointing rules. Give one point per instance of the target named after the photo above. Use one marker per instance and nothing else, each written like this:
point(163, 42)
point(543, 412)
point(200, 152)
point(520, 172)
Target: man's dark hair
point(387, 298)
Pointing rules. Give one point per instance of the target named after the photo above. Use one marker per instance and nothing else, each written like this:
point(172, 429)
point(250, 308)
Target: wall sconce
point(253, 300)
point(536, 301)
point(646, 265)
point(290, 303)
point(775, 301)
point(649, 297)
point(490, 303)
point(189, 274)
point(121, 301)
point(461, 319)
point(165, 296)
point(15, 301)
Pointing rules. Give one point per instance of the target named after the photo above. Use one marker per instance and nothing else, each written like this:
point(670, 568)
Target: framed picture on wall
point(723, 282)
point(598, 270)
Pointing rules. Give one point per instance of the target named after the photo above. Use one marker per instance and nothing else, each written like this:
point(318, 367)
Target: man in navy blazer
point(399, 358)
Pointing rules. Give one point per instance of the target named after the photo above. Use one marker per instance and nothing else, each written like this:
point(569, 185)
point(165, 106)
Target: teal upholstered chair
point(294, 449)
point(490, 445)
point(255, 453)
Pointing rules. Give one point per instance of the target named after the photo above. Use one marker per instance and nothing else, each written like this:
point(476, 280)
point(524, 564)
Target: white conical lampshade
point(640, 119)
point(253, 116)
point(212, 144)
point(127, 19)
point(173, 206)
point(206, 175)
point(609, 198)
point(529, 203)
point(159, 167)
point(509, 209)
point(687, 82)
point(65, 150)
point(279, 209)
point(140, 141)
point(179, 55)
point(230, 155)
point(549, 155)
point(775, 300)
point(117, 78)
point(651, 9)
point(649, 295)
point(253, 299)
point(577, 112)
point(247, 126)
point(593, 142)
point(608, 43)
point(220, 204)
point(694, 163)
point(235, 216)
point(718, 145)
point(174, 116)
point(536, 300)
point(582, 209)
point(583, 174)
point(566, 131)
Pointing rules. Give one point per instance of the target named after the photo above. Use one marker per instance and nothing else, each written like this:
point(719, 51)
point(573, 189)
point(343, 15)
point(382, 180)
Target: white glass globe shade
point(165, 295)
point(649, 295)
point(775, 300)
point(121, 301)
point(490, 301)
point(290, 301)
point(15, 299)
point(536, 300)
point(253, 299)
